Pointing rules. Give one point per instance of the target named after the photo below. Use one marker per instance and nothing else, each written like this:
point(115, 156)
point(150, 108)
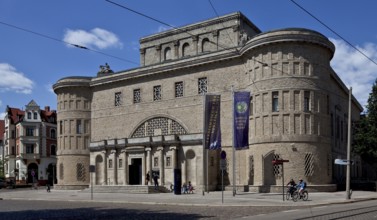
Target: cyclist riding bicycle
point(292, 185)
point(301, 186)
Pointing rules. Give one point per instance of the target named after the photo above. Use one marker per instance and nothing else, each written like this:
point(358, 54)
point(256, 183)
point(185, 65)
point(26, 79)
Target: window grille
point(178, 89)
point(277, 168)
point(110, 163)
point(117, 101)
point(158, 126)
point(137, 96)
point(155, 162)
point(202, 86)
point(80, 172)
point(168, 161)
point(309, 164)
point(157, 93)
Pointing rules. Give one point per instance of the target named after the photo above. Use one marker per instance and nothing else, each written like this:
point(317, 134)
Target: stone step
point(127, 189)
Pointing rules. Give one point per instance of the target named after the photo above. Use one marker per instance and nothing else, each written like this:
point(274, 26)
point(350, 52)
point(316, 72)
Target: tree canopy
point(365, 136)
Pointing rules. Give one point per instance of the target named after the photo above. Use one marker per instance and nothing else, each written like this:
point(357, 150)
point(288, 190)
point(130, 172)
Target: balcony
point(30, 156)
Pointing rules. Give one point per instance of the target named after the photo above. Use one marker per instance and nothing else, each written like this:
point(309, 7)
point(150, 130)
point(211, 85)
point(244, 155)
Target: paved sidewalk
point(197, 199)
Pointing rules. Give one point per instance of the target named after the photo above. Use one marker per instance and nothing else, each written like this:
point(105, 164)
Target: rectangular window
point(306, 101)
point(30, 148)
point(117, 101)
point(120, 163)
point(275, 101)
point(155, 162)
point(110, 163)
point(168, 161)
point(202, 86)
point(157, 93)
point(178, 89)
point(137, 96)
point(78, 127)
point(13, 134)
point(332, 125)
point(29, 131)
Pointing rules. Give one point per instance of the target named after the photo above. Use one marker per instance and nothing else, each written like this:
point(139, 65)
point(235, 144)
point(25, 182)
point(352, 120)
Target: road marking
point(292, 210)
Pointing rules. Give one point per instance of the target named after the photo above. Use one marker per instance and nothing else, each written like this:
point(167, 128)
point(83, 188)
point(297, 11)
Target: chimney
point(47, 108)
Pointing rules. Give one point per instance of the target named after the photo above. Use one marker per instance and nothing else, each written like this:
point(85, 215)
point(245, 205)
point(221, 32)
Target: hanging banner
point(241, 102)
point(212, 132)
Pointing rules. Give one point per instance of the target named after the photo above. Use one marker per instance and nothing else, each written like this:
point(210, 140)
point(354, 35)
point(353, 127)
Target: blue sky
point(30, 63)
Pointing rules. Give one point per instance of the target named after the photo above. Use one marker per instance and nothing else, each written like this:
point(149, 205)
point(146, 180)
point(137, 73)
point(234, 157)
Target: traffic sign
point(342, 162)
point(277, 162)
point(223, 155)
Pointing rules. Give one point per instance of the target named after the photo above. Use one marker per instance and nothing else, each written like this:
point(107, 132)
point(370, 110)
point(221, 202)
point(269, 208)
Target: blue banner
point(241, 102)
point(212, 132)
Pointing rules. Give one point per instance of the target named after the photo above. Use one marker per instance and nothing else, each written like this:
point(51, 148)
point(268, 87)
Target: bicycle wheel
point(287, 195)
point(295, 196)
point(305, 196)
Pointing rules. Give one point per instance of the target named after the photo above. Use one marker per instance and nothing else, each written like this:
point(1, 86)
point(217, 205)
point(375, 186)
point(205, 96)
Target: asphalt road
point(28, 210)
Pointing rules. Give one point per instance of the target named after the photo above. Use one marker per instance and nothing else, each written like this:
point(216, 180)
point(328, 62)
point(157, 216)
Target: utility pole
point(348, 178)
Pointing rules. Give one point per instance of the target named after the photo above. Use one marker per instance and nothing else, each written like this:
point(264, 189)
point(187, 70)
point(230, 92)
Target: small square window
point(202, 86)
point(137, 96)
point(118, 99)
point(157, 93)
point(178, 89)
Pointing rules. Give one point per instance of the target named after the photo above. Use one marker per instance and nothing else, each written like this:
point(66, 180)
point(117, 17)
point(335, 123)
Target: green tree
point(365, 136)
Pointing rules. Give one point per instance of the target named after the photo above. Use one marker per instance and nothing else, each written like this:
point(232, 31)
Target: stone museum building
point(149, 120)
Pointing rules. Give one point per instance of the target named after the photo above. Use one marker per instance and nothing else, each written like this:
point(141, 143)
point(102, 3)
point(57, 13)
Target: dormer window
point(35, 115)
point(205, 45)
point(29, 115)
point(185, 49)
point(167, 54)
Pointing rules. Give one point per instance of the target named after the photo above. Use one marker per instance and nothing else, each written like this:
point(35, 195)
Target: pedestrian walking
point(155, 179)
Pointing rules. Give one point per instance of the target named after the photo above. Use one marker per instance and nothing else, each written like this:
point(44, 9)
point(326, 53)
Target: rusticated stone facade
point(150, 119)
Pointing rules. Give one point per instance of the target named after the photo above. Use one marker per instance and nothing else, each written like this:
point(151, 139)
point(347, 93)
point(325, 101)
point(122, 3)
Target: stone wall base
point(70, 187)
point(278, 189)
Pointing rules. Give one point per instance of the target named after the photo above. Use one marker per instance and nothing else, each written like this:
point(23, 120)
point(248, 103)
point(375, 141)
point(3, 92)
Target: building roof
point(15, 115)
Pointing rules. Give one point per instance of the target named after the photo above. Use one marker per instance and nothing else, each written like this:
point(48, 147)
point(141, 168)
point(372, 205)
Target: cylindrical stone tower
point(73, 122)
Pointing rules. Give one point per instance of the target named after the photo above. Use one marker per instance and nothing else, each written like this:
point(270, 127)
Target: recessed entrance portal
point(32, 171)
point(135, 171)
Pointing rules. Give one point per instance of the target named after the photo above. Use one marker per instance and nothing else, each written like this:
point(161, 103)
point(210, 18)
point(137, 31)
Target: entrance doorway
point(32, 173)
point(135, 171)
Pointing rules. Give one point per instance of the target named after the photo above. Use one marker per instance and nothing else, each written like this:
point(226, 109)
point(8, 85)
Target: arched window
point(53, 133)
point(167, 54)
point(185, 49)
point(206, 45)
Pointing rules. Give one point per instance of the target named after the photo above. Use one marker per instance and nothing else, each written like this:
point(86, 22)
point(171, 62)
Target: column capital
point(148, 149)
point(160, 148)
point(173, 148)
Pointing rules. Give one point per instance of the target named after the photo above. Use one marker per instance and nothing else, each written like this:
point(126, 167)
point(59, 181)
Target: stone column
point(195, 40)
point(176, 49)
point(158, 53)
point(104, 156)
point(149, 164)
point(183, 169)
point(123, 156)
point(161, 165)
point(174, 157)
point(143, 168)
point(215, 35)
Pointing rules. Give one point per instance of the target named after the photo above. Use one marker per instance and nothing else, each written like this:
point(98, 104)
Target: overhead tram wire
point(362, 53)
point(65, 42)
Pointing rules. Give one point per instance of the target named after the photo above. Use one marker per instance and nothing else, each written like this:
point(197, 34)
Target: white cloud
point(49, 88)
point(12, 80)
point(97, 37)
point(354, 69)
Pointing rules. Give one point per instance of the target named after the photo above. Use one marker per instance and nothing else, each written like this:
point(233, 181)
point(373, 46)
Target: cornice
point(288, 35)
